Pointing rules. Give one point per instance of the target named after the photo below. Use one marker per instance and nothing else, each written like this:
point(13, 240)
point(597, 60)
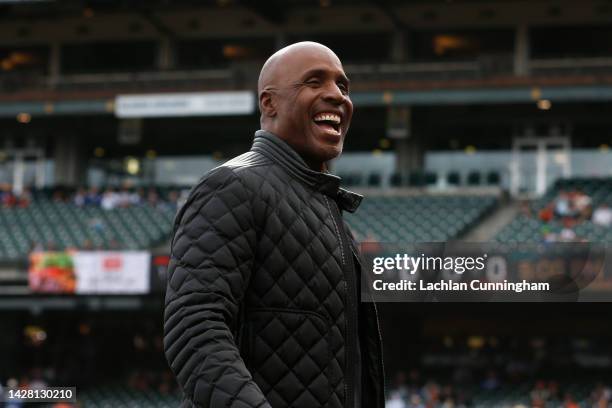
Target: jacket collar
point(280, 152)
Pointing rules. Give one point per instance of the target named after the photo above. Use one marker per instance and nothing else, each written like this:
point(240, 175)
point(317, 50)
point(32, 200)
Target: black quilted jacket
point(261, 299)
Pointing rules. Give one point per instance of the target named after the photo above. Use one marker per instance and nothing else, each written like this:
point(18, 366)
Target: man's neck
point(312, 164)
point(320, 167)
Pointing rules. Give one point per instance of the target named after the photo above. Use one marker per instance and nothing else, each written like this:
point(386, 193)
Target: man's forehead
point(319, 60)
point(313, 56)
point(293, 62)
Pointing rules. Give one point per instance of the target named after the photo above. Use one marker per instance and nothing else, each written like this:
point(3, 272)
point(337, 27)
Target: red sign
point(111, 263)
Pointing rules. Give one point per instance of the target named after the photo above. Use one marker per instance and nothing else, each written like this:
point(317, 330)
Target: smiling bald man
point(263, 307)
point(304, 99)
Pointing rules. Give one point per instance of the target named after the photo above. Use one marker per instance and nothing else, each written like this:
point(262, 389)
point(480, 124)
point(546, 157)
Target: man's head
point(303, 99)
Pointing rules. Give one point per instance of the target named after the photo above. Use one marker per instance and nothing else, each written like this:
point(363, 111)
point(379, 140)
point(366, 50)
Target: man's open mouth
point(329, 122)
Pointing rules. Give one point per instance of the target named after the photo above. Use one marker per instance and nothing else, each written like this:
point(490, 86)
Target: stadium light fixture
point(35, 335)
point(475, 342)
point(132, 165)
point(235, 51)
point(24, 117)
point(544, 104)
point(17, 59)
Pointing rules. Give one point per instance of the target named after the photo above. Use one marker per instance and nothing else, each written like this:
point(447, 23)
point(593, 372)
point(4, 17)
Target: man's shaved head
point(303, 99)
point(270, 70)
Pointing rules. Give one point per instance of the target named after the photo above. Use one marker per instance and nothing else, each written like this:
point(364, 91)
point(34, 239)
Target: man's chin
point(330, 152)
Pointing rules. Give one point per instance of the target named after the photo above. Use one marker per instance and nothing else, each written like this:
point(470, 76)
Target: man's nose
point(334, 94)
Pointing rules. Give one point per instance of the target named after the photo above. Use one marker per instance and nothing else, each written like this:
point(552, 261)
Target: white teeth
point(332, 117)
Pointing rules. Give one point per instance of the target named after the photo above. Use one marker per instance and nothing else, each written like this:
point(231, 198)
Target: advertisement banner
point(185, 104)
point(85, 272)
point(52, 272)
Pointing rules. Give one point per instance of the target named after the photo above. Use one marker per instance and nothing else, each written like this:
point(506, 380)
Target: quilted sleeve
point(211, 260)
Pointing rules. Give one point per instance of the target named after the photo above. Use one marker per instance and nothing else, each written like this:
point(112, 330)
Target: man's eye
point(343, 88)
point(313, 82)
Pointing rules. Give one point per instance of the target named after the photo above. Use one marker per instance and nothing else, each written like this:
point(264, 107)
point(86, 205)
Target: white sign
point(185, 104)
point(112, 272)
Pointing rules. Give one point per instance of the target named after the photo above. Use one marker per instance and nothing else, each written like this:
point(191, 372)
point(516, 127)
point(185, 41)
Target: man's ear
point(267, 104)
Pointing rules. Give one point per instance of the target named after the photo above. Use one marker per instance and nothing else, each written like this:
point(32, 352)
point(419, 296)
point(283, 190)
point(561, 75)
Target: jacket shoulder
point(233, 170)
point(253, 170)
point(238, 175)
point(247, 161)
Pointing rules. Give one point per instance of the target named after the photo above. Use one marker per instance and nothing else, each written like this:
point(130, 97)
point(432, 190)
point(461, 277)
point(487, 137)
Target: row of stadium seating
point(390, 219)
point(63, 225)
point(599, 189)
point(528, 228)
point(418, 218)
point(422, 179)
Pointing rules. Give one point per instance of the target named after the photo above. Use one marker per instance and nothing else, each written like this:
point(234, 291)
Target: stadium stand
point(524, 362)
point(509, 396)
point(51, 221)
point(541, 220)
point(424, 218)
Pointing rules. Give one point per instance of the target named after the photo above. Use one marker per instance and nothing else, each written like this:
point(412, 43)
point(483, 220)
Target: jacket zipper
point(351, 305)
point(381, 366)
